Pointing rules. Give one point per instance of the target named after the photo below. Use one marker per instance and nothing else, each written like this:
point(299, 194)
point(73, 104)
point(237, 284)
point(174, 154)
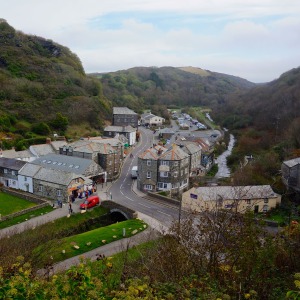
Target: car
point(90, 202)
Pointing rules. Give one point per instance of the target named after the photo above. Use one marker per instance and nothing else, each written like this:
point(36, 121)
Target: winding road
point(122, 192)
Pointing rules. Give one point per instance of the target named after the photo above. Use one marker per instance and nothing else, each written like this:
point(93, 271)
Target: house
point(25, 177)
point(163, 170)
point(194, 151)
point(9, 169)
point(291, 174)
point(151, 119)
point(147, 168)
point(123, 116)
point(57, 184)
point(109, 157)
point(24, 155)
point(239, 199)
point(80, 166)
point(166, 133)
point(128, 131)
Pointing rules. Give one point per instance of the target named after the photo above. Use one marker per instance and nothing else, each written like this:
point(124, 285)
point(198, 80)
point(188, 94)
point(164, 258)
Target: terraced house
point(161, 169)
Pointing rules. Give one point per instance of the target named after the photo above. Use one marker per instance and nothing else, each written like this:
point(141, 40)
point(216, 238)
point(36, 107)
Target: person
point(70, 208)
point(131, 155)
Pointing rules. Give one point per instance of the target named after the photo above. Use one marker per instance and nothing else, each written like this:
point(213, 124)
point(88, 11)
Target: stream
point(222, 160)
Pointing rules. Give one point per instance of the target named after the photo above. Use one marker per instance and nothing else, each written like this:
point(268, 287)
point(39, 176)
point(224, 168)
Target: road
point(121, 190)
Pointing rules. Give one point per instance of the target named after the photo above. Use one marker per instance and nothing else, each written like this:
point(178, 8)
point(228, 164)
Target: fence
point(29, 197)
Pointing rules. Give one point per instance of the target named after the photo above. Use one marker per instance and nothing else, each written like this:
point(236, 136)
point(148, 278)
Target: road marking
point(129, 198)
point(144, 205)
point(164, 213)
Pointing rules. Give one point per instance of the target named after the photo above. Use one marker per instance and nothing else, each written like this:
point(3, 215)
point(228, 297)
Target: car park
point(90, 202)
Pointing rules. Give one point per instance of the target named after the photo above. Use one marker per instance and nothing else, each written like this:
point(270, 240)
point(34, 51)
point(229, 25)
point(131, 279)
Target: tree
point(41, 128)
point(60, 122)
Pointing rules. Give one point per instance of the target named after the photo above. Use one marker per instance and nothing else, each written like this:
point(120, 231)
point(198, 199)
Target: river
point(222, 160)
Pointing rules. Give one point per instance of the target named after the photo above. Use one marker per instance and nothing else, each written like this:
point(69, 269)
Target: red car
point(90, 202)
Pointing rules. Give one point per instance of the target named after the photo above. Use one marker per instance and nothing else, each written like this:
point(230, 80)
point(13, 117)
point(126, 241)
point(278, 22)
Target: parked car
point(90, 202)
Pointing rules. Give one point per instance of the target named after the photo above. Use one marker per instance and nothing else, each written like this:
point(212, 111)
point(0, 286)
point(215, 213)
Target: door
point(256, 207)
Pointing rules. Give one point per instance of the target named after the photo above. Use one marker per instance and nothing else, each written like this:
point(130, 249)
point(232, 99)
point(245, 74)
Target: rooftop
point(123, 111)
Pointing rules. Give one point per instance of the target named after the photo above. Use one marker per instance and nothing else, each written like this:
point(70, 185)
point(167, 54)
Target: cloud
point(232, 36)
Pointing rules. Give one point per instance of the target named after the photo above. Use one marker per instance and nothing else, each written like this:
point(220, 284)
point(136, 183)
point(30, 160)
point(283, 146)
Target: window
point(148, 162)
point(186, 170)
point(175, 174)
point(164, 162)
point(148, 187)
point(266, 200)
point(181, 172)
point(265, 208)
point(175, 163)
point(58, 192)
point(25, 178)
point(164, 174)
point(40, 188)
point(5, 171)
point(148, 174)
point(248, 201)
point(162, 185)
point(13, 173)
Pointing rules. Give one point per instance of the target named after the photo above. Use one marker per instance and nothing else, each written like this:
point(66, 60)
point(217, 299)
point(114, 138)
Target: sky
point(254, 39)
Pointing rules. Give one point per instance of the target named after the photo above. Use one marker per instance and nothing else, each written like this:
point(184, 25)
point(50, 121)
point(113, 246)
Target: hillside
point(141, 87)
point(273, 109)
point(40, 78)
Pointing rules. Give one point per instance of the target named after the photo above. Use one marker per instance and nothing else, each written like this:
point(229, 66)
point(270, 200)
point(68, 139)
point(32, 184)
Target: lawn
point(25, 217)
point(61, 249)
point(10, 204)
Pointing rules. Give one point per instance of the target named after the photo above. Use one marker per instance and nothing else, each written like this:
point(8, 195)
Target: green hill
point(40, 78)
point(142, 87)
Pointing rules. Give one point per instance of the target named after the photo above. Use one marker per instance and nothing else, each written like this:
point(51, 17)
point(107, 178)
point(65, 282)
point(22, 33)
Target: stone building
point(123, 116)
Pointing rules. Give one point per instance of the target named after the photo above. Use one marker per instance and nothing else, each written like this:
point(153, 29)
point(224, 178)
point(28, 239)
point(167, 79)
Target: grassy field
point(61, 249)
point(10, 204)
point(25, 217)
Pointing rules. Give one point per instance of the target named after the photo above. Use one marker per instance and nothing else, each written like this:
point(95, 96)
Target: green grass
point(86, 241)
point(25, 217)
point(10, 204)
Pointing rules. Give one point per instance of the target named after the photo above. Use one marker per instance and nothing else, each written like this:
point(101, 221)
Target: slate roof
point(213, 193)
point(113, 128)
point(123, 111)
point(65, 163)
point(114, 142)
point(174, 153)
point(189, 147)
point(153, 152)
point(11, 163)
point(29, 170)
point(292, 162)
point(167, 130)
point(41, 150)
point(56, 176)
point(25, 154)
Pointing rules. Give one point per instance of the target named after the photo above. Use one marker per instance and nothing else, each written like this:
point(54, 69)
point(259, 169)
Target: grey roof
point(11, 163)
point(41, 150)
point(120, 129)
point(292, 162)
point(123, 111)
point(29, 170)
point(114, 142)
point(56, 176)
point(57, 144)
point(189, 147)
point(17, 154)
point(65, 163)
point(174, 153)
point(213, 193)
point(153, 152)
point(147, 116)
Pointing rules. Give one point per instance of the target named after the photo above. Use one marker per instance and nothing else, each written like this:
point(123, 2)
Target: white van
point(134, 172)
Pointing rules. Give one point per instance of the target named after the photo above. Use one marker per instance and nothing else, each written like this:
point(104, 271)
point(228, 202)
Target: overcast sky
point(254, 39)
